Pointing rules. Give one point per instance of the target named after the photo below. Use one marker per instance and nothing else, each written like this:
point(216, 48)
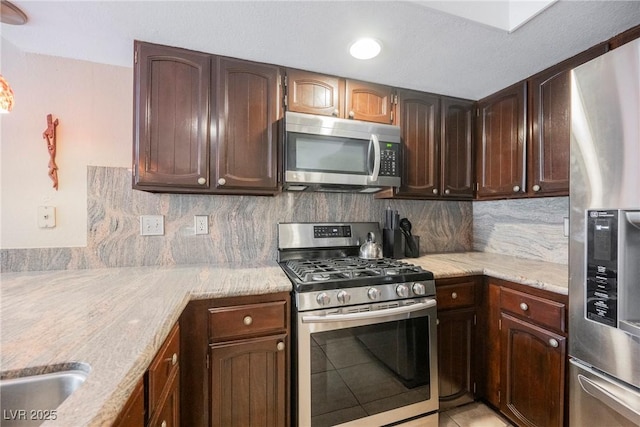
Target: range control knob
point(373, 293)
point(344, 297)
point(323, 298)
point(418, 289)
point(402, 291)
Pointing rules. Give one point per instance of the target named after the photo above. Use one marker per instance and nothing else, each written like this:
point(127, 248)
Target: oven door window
point(361, 371)
point(318, 153)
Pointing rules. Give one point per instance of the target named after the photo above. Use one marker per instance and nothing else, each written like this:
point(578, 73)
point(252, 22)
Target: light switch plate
point(46, 216)
point(152, 225)
point(566, 226)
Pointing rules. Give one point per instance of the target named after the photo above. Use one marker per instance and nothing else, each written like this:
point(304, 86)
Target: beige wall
point(93, 103)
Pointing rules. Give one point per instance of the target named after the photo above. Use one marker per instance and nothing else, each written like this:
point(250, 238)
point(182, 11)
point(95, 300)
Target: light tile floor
point(474, 414)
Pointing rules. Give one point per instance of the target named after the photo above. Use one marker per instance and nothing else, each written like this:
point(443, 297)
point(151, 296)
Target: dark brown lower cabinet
point(236, 361)
point(155, 401)
point(248, 383)
point(533, 372)
point(457, 337)
point(455, 343)
point(526, 361)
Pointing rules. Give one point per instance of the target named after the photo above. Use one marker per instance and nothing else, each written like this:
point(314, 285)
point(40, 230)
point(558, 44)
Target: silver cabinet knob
point(248, 320)
point(222, 181)
point(418, 289)
point(536, 188)
point(323, 298)
point(373, 293)
point(336, 112)
point(447, 191)
point(202, 181)
point(516, 188)
point(402, 291)
point(173, 359)
point(351, 114)
point(437, 321)
point(280, 346)
point(435, 191)
point(344, 297)
point(164, 424)
point(454, 295)
point(554, 342)
point(524, 306)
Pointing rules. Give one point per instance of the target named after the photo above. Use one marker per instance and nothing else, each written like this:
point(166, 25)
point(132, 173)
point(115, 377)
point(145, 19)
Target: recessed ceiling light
point(365, 48)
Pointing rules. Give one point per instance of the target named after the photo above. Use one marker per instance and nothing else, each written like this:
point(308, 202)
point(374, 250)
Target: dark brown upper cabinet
point(437, 147)
point(314, 93)
point(501, 144)
point(550, 125)
point(419, 119)
point(248, 97)
point(171, 118)
point(456, 161)
point(204, 124)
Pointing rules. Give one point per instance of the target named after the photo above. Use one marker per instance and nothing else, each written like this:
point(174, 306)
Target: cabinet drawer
point(538, 310)
point(456, 296)
point(247, 320)
point(163, 367)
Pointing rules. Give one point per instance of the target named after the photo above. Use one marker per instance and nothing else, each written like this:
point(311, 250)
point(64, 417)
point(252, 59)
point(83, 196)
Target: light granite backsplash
point(525, 228)
point(242, 229)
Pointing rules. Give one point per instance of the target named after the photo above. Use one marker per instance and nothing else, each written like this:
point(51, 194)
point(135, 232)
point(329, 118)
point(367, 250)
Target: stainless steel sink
point(32, 400)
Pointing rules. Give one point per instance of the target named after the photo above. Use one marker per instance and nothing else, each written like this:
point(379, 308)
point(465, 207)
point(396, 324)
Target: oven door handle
point(369, 314)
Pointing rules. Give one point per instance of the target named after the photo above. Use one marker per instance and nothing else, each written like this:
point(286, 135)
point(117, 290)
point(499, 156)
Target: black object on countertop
point(411, 249)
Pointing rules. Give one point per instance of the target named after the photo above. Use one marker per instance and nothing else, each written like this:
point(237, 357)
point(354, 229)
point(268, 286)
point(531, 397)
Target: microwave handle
point(376, 161)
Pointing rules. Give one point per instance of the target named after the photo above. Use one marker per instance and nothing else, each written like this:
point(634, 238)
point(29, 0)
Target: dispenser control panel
point(602, 267)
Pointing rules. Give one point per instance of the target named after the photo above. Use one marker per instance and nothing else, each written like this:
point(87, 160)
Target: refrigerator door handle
point(599, 391)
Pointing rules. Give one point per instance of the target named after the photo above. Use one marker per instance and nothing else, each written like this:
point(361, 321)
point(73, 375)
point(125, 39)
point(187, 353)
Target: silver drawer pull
point(524, 306)
point(454, 295)
point(248, 320)
point(553, 343)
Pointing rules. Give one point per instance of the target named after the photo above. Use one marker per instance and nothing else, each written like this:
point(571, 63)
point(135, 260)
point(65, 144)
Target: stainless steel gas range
point(364, 330)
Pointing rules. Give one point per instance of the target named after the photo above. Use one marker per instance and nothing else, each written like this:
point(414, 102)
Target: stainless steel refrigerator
point(604, 245)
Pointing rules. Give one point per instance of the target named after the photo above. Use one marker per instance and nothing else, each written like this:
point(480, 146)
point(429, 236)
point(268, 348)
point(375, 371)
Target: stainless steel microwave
point(330, 154)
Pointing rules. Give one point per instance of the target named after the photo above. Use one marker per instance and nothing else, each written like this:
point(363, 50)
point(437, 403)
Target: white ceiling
point(423, 48)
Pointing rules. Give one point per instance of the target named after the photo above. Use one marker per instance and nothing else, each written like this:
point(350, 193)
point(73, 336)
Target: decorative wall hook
point(50, 135)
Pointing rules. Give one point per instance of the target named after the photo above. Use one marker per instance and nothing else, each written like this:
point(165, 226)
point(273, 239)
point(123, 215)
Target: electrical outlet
point(201, 224)
point(151, 225)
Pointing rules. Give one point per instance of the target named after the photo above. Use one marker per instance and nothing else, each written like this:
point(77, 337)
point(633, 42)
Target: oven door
point(367, 365)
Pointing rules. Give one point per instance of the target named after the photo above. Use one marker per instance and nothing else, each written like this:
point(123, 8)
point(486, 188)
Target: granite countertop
point(116, 319)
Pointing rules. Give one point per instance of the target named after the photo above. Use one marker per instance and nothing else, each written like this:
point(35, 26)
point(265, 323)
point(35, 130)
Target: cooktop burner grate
point(316, 270)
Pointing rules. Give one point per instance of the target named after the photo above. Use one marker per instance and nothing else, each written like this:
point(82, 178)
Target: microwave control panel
point(602, 267)
point(389, 159)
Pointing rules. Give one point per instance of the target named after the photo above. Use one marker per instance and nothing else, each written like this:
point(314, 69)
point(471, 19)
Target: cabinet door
point(133, 413)
point(418, 116)
point(550, 117)
point(248, 383)
point(171, 118)
point(457, 148)
point(532, 373)
point(501, 154)
point(248, 110)
point(315, 93)
point(492, 351)
point(168, 414)
point(369, 102)
point(456, 331)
